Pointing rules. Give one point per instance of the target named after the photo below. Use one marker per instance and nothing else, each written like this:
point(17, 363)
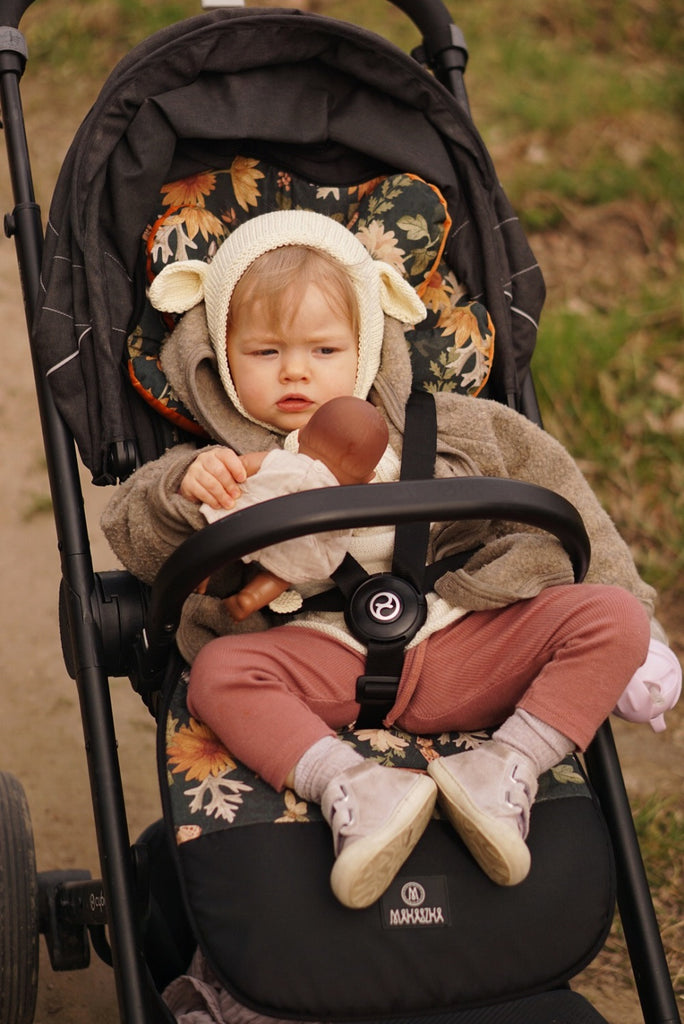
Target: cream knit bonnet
point(379, 288)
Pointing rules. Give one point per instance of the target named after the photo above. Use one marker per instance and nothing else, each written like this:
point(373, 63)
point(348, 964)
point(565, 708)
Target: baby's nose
point(295, 366)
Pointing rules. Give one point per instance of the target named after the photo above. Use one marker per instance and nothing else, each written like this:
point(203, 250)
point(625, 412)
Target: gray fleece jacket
point(147, 519)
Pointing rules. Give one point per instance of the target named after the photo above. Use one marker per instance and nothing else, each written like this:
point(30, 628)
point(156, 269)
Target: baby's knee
point(624, 619)
point(622, 607)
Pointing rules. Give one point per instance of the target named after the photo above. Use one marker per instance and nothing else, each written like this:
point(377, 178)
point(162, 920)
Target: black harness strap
point(376, 689)
point(418, 454)
point(333, 600)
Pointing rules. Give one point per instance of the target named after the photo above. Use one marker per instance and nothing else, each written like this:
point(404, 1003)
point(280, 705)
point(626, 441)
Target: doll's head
point(349, 436)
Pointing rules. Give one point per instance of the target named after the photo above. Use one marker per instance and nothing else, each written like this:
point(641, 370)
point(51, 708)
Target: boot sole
point(503, 856)
point(363, 871)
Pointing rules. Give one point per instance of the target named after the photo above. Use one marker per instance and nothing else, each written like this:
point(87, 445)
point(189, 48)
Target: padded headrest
point(399, 218)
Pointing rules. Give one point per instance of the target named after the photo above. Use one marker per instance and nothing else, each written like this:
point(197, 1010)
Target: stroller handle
point(444, 47)
point(12, 11)
point(433, 20)
point(330, 508)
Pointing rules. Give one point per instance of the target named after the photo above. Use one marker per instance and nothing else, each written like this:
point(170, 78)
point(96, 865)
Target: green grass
point(615, 398)
point(660, 828)
point(89, 37)
point(37, 506)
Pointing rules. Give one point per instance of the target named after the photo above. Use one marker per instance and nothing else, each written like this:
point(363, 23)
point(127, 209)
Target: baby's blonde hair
point(270, 277)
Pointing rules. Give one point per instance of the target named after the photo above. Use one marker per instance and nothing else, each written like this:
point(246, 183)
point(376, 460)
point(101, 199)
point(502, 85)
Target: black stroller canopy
point(327, 100)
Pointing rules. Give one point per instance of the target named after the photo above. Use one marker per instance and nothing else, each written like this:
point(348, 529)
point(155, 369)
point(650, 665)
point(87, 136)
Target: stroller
point(246, 85)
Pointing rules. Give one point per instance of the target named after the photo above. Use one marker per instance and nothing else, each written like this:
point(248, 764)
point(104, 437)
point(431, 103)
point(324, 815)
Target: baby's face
point(284, 372)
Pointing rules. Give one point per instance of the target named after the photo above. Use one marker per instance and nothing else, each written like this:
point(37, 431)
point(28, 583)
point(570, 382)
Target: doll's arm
point(252, 461)
point(256, 594)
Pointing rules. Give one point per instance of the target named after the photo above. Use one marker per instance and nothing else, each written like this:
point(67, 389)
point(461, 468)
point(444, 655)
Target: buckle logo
point(385, 606)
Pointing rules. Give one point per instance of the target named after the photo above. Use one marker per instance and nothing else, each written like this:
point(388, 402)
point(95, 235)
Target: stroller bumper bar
point(352, 506)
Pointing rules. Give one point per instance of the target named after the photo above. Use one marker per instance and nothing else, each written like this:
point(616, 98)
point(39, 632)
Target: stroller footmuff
point(255, 867)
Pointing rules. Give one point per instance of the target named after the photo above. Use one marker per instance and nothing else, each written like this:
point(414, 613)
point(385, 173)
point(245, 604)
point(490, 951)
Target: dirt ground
point(41, 740)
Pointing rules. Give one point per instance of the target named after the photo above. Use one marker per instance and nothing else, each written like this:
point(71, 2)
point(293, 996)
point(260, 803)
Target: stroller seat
point(246, 879)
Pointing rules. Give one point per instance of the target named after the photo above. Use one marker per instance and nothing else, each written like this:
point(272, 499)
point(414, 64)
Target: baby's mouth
point(294, 403)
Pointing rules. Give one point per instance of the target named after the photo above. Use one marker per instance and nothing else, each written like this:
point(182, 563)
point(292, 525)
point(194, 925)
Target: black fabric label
point(416, 902)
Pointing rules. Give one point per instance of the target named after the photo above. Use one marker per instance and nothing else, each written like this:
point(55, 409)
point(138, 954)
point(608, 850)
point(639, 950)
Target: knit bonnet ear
point(397, 297)
point(380, 291)
point(179, 286)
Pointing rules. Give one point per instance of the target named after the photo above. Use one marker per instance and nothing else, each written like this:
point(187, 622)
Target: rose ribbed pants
point(564, 656)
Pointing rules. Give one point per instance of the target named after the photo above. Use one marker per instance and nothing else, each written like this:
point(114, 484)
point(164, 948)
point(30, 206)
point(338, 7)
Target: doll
point(341, 444)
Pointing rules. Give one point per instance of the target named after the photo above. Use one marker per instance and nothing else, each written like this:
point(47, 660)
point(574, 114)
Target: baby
point(297, 313)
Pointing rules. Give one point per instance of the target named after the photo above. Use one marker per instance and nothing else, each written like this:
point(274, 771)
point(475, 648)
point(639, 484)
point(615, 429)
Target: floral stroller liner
point(399, 218)
point(208, 790)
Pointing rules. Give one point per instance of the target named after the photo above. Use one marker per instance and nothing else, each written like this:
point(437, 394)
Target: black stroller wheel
point(19, 931)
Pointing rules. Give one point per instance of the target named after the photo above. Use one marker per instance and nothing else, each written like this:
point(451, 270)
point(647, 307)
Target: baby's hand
point(214, 477)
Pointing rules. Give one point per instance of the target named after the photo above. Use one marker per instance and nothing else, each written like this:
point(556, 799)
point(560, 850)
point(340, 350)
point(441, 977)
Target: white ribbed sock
point(322, 763)
point(540, 743)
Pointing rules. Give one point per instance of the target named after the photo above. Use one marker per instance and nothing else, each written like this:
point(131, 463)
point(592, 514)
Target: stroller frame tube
point(637, 913)
point(134, 991)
